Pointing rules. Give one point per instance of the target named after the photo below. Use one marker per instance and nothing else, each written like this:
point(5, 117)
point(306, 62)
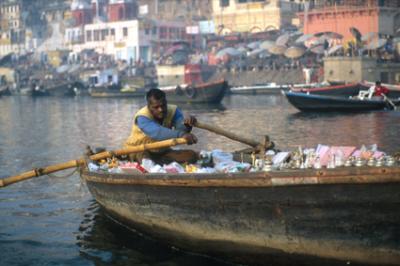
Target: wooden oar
point(220, 131)
point(99, 156)
point(389, 101)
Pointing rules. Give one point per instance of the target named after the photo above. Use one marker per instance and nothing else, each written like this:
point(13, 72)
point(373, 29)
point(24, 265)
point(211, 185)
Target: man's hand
point(190, 138)
point(190, 121)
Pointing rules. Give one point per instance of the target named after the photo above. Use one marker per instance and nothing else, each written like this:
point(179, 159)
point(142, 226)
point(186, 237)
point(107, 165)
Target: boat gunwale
point(356, 175)
point(327, 88)
point(201, 86)
point(336, 98)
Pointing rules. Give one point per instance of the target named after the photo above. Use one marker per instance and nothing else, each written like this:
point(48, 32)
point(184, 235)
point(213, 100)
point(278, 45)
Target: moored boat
point(316, 102)
point(271, 88)
point(350, 89)
point(114, 91)
point(347, 215)
point(191, 83)
point(210, 92)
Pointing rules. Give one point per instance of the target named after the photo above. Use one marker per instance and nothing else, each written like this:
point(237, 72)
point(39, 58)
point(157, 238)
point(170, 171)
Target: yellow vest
point(137, 136)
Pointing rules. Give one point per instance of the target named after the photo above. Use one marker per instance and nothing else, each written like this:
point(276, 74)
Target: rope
point(63, 176)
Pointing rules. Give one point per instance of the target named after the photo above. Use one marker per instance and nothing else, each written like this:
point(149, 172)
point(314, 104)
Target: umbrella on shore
point(318, 49)
point(277, 49)
point(294, 52)
point(356, 33)
point(254, 45)
point(283, 39)
point(334, 49)
point(313, 41)
point(228, 51)
point(242, 50)
point(369, 36)
point(304, 38)
point(258, 52)
point(375, 44)
point(329, 35)
point(267, 44)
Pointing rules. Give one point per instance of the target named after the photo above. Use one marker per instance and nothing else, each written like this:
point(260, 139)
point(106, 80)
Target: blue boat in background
point(317, 102)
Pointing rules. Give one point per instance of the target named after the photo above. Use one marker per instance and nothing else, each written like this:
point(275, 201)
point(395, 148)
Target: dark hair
point(378, 83)
point(156, 94)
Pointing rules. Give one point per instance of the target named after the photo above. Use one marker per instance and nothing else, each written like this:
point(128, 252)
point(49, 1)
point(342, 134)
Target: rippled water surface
point(54, 220)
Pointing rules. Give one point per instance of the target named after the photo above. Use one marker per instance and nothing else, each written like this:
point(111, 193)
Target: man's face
point(158, 108)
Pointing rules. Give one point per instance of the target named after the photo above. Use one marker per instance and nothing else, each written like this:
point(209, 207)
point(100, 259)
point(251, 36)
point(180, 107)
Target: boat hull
point(315, 102)
point(211, 92)
point(258, 216)
point(259, 89)
point(346, 90)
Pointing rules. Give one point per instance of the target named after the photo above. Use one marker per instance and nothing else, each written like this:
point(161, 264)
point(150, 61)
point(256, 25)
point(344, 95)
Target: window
point(112, 32)
point(163, 32)
point(125, 31)
point(120, 13)
point(96, 35)
point(154, 31)
point(93, 80)
point(89, 36)
point(104, 33)
point(223, 3)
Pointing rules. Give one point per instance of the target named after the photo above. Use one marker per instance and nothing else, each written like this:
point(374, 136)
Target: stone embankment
point(257, 77)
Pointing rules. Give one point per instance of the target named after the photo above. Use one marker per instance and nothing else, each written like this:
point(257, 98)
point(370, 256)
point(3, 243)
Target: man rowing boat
point(160, 121)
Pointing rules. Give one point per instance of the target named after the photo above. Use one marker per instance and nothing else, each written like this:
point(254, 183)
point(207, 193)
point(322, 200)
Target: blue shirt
point(158, 132)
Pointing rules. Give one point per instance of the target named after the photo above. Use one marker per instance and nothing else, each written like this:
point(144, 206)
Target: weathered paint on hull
point(212, 92)
point(344, 222)
point(338, 90)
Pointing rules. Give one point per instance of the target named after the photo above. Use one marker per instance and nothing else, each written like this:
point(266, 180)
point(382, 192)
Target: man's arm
point(371, 92)
point(155, 130)
point(178, 122)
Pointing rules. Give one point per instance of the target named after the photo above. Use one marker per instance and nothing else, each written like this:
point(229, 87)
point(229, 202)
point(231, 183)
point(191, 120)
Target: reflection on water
point(103, 241)
point(53, 220)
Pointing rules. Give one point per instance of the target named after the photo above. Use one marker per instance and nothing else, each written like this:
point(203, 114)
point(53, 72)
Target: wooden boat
point(343, 215)
point(211, 92)
point(115, 91)
point(191, 83)
point(4, 90)
point(316, 102)
point(271, 88)
point(51, 84)
point(351, 89)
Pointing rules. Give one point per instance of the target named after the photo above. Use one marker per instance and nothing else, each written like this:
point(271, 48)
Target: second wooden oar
point(232, 136)
point(99, 156)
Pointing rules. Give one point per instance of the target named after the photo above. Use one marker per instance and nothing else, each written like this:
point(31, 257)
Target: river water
point(54, 220)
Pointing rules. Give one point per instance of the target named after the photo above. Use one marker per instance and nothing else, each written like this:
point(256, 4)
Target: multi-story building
point(376, 16)
point(119, 10)
point(130, 40)
point(121, 33)
point(185, 10)
point(12, 31)
point(355, 20)
point(82, 12)
point(253, 15)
